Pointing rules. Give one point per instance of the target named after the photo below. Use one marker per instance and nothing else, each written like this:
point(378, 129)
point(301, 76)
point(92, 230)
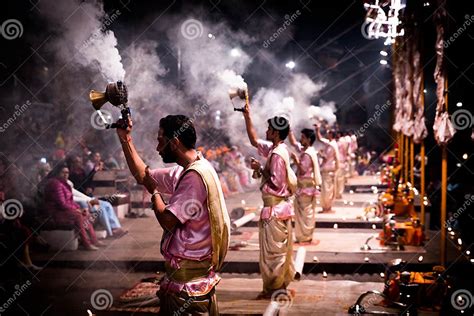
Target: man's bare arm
point(297, 162)
point(317, 131)
point(134, 161)
point(252, 134)
point(292, 138)
point(166, 219)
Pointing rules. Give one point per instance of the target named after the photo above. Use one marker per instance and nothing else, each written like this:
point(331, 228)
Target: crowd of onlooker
point(57, 192)
point(368, 162)
point(53, 193)
point(232, 167)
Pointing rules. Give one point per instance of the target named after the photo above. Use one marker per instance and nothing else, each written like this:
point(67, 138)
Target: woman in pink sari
point(63, 211)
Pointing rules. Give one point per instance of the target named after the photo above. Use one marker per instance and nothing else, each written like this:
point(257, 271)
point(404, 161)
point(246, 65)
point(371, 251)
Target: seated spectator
point(59, 204)
point(42, 170)
point(95, 164)
point(111, 162)
point(102, 210)
point(81, 179)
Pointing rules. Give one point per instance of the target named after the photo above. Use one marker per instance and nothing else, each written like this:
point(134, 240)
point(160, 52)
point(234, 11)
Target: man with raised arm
point(309, 176)
point(195, 221)
point(278, 185)
point(329, 168)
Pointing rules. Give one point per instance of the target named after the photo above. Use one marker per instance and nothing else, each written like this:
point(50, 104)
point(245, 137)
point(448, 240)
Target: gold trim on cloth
point(189, 270)
point(272, 200)
point(306, 183)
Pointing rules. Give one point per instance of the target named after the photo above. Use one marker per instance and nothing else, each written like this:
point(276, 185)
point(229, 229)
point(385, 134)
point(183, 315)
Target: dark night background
point(325, 42)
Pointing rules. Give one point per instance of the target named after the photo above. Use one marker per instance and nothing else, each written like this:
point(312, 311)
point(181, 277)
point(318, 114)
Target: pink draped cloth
point(277, 184)
point(343, 146)
point(330, 154)
point(305, 171)
point(353, 144)
point(191, 239)
point(443, 127)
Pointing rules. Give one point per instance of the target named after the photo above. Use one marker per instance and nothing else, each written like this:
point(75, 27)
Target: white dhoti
point(354, 168)
point(327, 190)
point(276, 261)
point(305, 217)
point(340, 180)
point(351, 165)
point(348, 173)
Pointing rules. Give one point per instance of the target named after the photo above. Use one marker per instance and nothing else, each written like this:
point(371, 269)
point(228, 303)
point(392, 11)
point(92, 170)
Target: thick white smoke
point(150, 96)
point(211, 58)
point(213, 61)
point(82, 35)
point(210, 61)
point(233, 80)
point(293, 101)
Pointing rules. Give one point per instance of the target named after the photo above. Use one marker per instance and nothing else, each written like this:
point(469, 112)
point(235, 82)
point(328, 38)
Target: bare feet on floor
point(327, 211)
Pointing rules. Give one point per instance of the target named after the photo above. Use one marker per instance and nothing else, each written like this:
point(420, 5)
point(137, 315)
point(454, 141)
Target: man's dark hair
point(309, 133)
point(181, 127)
point(280, 124)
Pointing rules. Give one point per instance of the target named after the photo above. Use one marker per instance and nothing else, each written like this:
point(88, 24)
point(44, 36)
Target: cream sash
point(291, 178)
point(218, 216)
point(314, 158)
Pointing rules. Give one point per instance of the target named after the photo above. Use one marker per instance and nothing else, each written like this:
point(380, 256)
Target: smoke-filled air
point(188, 66)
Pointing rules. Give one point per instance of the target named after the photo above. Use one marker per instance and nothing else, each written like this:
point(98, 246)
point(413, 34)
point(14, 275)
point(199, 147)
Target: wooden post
point(422, 181)
point(401, 154)
point(444, 185)
point(412, 161)
point(422, 157)
point(405, 159)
